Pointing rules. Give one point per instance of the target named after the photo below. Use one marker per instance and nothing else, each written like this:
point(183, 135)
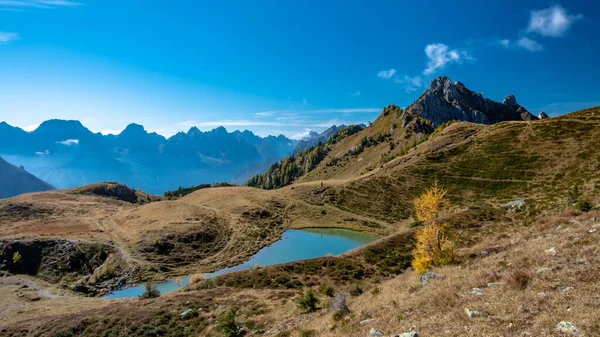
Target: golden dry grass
point(525, 290)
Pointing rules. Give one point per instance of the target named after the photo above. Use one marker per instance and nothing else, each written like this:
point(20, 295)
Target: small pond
point(294, 245)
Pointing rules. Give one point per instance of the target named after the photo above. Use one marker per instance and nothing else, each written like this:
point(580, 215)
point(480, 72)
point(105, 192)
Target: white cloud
point(7, 37)
point(356, 93)
point(504, 43)
point(439, 55)
point(69, 142)
point(30, 128)
point(387, 74)
point(553, 21)
point(300, 134)
point(45, 153)
point(529, 44)
point(410, 83)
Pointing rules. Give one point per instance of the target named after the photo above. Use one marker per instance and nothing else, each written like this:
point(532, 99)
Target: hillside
point(67, 154)
point(15, 180)
point(396, 131)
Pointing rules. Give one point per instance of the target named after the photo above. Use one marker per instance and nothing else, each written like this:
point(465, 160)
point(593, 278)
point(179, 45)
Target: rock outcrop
point(445, 101)
point(543, 115)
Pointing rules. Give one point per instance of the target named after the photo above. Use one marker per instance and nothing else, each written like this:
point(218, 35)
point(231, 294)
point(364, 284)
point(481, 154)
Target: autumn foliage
point(433, 247)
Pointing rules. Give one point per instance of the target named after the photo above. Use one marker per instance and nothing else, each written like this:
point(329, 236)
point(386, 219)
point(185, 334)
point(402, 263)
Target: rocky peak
point(510, 100)
point(543, 115)
point(445, 101)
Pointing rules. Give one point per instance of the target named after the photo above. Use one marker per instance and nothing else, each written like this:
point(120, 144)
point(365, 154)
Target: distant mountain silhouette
point(15, 180)
point(67, 154)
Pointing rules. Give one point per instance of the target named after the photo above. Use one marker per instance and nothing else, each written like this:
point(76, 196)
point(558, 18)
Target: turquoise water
point(294, 245)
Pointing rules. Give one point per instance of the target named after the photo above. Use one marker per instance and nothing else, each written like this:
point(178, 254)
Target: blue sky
point(284, 66)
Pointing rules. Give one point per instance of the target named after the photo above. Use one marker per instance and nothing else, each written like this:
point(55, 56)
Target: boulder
point(375, 333)
point(515, 205)
point(567, 327)
point(427, 277)
point(338, 304)
point(472, 313)
point(410, 333)
point(187, 314)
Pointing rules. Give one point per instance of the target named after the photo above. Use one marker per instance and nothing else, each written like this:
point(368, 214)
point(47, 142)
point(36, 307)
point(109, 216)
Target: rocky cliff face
point(445, 101)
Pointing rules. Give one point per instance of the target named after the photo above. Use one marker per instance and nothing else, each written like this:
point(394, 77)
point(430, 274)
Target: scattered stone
point(574, 222)
point(543, 270)
point(593, 218)
point(559, 227)
point(258, 332)
point(338, 305)
point(427, 277)
point(551, 251)
point(367, 321)
point(541, 294)
point(515, 205)
point(273, 332)
point(472, 313)
point(567, 289)
point(476, 292)
point(375, 333)
point(493, 284)
point(410, 333)
point(567, 327)
point(186, 314)
point(485, 253)
point(187, 302)
point(592, 231)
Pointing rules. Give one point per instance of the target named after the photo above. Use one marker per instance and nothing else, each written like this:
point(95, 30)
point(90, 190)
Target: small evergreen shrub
point(151, 292)
point(228, 325)
point(583, 205)
point(355, 290)
point(307, 333)
point(308, 302)
point(327, 290)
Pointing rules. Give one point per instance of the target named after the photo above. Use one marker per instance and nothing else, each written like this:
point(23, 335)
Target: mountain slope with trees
point(15, 180)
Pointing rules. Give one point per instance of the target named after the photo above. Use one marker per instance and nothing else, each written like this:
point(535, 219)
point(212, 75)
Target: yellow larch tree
point(433, 247)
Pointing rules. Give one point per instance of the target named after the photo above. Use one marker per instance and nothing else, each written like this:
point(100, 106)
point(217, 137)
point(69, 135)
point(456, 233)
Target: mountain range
point(67, 154)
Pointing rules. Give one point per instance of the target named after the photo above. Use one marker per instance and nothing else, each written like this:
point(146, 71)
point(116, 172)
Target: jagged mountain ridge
point(316, 138)
point(396, 131)
point(67, 154)
point(445, 101)
point(15, 180)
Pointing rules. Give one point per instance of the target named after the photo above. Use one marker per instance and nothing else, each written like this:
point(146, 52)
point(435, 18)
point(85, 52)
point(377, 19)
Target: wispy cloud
point(8, 37)
point(386, 74)
point(553, 21)
point(292, 113)
point(439, 55)
point(529, 44)
point(19, 4)
point(410, 83)
point(69, 142)
point(356, 93)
